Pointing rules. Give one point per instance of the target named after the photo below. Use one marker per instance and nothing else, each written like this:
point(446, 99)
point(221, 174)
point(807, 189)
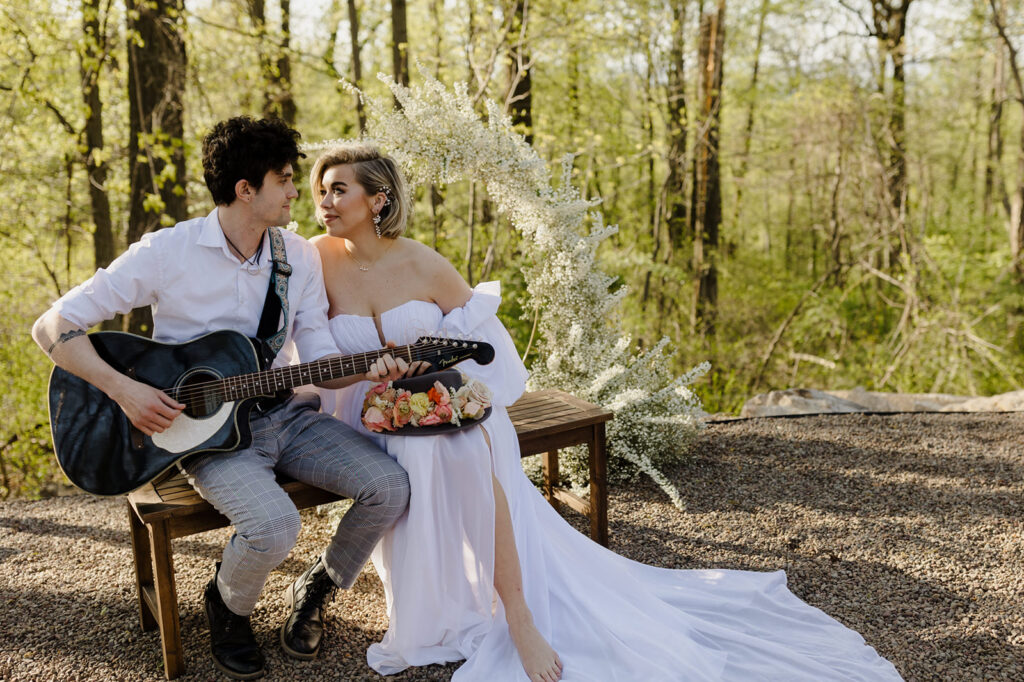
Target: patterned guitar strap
point(274, 321)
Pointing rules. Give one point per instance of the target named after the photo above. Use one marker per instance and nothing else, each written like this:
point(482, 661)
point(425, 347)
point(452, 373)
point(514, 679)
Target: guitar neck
point(271, 381)
point(204, 397)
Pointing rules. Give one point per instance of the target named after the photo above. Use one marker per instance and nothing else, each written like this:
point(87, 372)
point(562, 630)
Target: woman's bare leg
point(538, 658)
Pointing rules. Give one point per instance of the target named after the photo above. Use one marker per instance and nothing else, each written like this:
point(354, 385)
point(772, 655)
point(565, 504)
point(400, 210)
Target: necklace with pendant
point(363, 267)
point(252, 263)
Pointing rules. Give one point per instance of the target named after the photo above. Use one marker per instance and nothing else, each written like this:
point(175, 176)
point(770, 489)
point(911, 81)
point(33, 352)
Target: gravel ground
point(906, 528)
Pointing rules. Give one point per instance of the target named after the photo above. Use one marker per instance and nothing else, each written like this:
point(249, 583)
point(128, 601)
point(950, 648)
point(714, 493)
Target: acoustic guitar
point(218, 378)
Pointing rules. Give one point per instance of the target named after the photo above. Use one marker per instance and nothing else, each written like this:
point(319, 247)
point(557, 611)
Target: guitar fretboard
point(269, 382)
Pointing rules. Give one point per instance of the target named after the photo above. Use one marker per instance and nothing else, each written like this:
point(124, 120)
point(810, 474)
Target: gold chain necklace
point(362, 266)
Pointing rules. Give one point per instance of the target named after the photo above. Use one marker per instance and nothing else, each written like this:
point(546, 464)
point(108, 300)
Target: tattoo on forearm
point(66, 336)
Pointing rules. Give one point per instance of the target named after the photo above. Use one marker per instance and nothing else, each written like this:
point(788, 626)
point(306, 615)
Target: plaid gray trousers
point(297, 440)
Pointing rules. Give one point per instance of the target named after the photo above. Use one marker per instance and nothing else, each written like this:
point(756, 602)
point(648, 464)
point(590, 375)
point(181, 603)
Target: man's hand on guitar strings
point(150, 410)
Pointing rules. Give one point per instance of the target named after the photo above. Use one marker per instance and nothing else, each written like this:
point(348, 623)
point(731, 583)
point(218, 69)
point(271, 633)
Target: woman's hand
point(417, 368)
point(387, 368)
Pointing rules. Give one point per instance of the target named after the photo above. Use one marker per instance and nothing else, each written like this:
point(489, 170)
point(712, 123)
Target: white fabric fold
point(477, 320)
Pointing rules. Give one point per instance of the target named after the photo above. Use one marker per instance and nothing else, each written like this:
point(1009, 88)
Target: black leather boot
point(232, 643)
point(302, 632)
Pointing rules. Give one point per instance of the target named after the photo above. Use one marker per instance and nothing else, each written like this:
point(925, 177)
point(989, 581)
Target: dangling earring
point(376, 224)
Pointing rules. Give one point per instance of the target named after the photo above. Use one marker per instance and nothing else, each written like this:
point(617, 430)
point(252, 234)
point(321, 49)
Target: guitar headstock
point(444, 352)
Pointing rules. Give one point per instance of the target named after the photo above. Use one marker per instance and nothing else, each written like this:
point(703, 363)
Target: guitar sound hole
point(199, 403)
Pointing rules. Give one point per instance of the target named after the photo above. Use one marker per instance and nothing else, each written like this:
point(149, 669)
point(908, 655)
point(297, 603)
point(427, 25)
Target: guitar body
point(98, 448)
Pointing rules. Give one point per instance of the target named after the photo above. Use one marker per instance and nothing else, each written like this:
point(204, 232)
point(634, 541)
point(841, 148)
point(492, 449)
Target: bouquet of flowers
point(445, 400)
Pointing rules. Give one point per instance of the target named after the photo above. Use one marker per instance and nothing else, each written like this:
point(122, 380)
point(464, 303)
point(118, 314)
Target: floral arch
point(438, 137)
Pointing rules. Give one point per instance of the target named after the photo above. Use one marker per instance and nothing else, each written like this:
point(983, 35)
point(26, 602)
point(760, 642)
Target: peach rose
point(473, 410)
point(430, 420)
point(402, 412)
point(375, 420)
point(444, 413)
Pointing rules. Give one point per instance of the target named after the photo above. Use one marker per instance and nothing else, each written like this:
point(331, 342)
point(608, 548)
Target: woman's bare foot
point(539, 660)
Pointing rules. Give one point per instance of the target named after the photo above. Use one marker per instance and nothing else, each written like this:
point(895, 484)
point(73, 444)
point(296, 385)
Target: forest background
point(822, 193)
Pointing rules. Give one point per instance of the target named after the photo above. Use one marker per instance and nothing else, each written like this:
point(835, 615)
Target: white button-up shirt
point(196, 285)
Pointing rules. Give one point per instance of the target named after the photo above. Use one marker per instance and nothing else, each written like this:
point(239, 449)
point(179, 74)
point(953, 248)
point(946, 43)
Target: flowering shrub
point(437, 137)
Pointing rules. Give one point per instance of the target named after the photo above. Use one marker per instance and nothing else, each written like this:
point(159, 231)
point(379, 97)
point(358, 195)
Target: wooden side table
point(550, 419)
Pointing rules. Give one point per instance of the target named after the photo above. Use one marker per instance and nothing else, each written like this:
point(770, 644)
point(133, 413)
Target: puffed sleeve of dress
point(505, 375)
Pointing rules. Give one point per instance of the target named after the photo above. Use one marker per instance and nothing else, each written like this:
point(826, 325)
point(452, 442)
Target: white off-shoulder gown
point(609, 618)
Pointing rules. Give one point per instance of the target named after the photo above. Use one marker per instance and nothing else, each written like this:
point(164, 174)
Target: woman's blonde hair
point(376, 173)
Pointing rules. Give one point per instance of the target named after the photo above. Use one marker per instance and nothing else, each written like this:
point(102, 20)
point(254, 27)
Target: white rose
point(477, 391)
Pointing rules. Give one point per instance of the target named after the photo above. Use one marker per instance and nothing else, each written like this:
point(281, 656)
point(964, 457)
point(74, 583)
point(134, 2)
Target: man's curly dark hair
point(244, 148)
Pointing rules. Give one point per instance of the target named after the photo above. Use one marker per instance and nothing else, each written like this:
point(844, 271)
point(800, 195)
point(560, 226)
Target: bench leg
point(598, 486)
point(166, 598)
point(549, 467)
point(143, 556)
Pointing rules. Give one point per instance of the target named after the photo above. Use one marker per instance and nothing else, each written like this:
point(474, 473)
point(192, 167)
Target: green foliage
point(26, 456)
point(814, 288)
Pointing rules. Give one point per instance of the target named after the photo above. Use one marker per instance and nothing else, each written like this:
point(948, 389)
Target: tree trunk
point(258, 17)
point(994, 153)
point(573, 92)
point(399, 43)
point(671, 200)
point(519, 95)
point(835, 223)
point(330, 52)
point(156, 157)
point(707, 197)
point(889, 18)
point(92, 56)
point(748, 127)
point(1016, 204)
point(283, 100)
point(674, 206)
point(276, 68)
point(357, 67)
point(91, 59)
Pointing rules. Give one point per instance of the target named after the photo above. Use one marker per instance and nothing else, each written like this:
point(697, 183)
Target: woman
point(566, 607)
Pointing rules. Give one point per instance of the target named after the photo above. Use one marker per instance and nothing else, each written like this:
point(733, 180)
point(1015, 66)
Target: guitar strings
point(210, 388)
point(247, 385)
point(219, 388)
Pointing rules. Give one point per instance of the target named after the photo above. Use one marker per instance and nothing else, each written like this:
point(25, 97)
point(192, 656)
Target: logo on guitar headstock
point(452, 351)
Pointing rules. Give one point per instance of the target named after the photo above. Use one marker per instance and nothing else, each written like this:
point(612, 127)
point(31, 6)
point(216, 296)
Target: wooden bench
point(545, 421)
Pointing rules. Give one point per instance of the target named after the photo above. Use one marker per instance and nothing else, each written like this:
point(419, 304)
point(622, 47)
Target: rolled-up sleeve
point(130, 282)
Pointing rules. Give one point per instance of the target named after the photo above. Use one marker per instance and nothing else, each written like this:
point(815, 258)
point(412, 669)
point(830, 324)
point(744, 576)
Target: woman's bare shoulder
point(444, 285)
point(328, 247)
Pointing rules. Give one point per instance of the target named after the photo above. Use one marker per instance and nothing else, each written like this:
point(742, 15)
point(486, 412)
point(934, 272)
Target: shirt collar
point(212, 235)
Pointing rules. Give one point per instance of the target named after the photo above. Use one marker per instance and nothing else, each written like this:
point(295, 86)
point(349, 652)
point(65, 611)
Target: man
point(213, 273)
